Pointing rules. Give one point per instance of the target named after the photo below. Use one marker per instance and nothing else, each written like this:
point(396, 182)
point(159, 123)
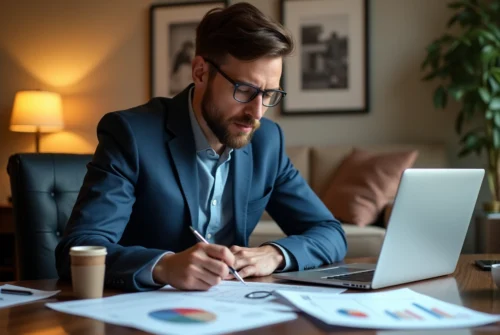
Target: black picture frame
point(327, 73)
point(172, 31)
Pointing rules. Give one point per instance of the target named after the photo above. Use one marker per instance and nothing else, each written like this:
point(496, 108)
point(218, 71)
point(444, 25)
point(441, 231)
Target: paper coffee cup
point(88, 264)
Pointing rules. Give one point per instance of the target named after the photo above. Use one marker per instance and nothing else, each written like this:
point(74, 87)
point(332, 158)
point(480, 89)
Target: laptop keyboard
point(365, 276)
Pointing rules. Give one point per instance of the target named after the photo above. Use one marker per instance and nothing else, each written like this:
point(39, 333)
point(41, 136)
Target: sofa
point(316, 164)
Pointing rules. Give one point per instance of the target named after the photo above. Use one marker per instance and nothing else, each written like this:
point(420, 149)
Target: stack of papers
point(7, 300)
point(224, 308)
point(171, 313)
point(396, 309)
point(227, 308)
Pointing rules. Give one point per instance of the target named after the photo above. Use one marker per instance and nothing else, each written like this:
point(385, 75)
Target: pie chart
point(183, 315)
point(352, 312)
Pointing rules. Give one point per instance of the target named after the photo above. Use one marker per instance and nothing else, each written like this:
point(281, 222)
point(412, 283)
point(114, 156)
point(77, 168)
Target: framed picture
point(172, 44)
point(328, 71)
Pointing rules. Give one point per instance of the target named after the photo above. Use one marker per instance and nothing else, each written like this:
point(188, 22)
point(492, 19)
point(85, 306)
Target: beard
point(219, 125)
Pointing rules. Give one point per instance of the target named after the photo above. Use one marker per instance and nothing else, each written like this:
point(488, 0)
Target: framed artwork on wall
point(172, 44)
point(328, 71)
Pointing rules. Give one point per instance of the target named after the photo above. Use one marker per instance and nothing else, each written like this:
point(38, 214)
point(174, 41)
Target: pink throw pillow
point(365, 183)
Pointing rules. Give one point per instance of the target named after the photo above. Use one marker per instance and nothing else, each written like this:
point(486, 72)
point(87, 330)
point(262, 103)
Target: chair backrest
point(44, 190)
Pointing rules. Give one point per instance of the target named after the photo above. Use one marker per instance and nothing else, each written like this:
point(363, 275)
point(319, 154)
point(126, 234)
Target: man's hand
point(261, 261)
point(197, 268)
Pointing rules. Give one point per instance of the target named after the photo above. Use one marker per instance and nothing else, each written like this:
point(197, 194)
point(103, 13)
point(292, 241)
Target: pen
point(231, 269)
point(12, 291)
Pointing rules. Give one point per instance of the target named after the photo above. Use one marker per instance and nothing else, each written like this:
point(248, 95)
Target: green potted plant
point(466, 62)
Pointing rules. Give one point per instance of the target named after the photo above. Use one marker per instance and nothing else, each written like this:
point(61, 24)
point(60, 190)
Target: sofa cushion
point(364, 183)
point(361, 241)
point(326, 158)
point(299, 156)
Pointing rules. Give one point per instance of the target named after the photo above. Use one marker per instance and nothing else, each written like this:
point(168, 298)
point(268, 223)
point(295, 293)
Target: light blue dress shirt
point(215, 214)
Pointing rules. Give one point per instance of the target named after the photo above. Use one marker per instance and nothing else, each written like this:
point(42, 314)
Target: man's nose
point(256, 108)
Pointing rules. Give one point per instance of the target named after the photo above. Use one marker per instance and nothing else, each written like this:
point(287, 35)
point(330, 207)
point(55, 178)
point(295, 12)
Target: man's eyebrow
point(253, 85)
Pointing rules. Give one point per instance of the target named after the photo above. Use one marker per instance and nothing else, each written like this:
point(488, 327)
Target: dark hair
point(242, 31)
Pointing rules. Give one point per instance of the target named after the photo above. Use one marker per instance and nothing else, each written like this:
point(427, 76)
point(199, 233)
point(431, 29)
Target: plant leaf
point(452, 21)
point(488, 114)
point(496, 138)
point(496, 73)
point(497, 119)
point(456, 91)
point(485, 95)
point(440, 97)
point(487, 35)
point(495, 104)
point(494, 85)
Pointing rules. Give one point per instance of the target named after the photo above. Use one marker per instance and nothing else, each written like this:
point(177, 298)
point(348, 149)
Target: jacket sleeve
point(103, 207)
point(315, 237)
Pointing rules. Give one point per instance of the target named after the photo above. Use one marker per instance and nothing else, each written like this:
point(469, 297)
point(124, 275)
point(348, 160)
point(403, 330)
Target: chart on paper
point(171, 312)
point(183, 315)
point(397, 309)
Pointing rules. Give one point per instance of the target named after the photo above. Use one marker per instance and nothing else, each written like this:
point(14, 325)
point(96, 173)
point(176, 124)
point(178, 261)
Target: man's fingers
point(200, 285)
point(203, 259)
point(247, 271)
point(201, 274)
point(216, 267)
point(240, 263)
point(220, 252)
point(234, 249)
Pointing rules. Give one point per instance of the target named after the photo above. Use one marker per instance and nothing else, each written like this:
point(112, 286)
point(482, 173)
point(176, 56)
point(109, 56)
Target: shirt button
point(214, 202)
point(209, 235)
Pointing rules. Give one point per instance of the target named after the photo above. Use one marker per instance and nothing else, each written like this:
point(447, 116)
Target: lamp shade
point(37, 111)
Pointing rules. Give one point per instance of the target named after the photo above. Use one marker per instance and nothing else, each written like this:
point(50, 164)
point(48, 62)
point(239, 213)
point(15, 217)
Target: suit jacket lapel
point(242, 168)
point(180, 141)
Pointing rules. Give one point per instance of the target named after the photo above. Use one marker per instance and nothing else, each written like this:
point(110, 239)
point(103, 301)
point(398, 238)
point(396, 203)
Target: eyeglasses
point(258, 295)
point(245, 92)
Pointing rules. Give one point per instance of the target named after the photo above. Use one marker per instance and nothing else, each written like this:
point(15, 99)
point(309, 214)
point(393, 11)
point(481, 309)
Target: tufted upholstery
point(44, 190)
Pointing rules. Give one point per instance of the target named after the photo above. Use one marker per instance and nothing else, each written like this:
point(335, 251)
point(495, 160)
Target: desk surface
point(474, 288)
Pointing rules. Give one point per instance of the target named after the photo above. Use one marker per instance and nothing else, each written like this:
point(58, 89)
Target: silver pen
point(231, 269)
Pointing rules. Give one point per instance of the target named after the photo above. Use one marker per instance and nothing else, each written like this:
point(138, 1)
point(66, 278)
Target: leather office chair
point(44, 190)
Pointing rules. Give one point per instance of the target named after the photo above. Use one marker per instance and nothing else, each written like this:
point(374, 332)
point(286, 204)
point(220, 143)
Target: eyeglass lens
point(245, 93)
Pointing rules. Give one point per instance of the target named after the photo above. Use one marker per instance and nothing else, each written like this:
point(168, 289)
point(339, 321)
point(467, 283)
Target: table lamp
point(37, 112)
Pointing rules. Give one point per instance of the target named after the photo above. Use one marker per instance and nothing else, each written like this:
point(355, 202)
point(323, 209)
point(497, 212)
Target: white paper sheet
point(396, 309)
point(235, 292)
point(7, 300)
point(163, 312)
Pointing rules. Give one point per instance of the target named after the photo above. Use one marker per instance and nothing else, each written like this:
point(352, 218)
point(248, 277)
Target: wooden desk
point(474, 288)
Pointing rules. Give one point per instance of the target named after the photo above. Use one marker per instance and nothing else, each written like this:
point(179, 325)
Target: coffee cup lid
point(89, 250)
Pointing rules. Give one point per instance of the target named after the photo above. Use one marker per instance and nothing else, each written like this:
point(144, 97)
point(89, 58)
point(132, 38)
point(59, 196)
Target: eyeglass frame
point(238, 84)
point(258, 295)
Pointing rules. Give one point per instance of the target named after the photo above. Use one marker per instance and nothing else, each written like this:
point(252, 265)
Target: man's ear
point(199, 70)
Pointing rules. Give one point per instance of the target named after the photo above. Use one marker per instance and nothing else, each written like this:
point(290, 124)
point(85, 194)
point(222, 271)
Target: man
point(207, 159)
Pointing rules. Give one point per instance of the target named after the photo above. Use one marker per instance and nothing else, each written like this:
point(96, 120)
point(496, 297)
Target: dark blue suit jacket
point(140, 194)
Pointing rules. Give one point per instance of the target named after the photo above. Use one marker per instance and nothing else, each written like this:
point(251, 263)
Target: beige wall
point(95, 53)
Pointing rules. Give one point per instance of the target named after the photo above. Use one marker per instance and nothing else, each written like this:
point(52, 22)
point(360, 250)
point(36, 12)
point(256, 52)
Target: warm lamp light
point(37, 112)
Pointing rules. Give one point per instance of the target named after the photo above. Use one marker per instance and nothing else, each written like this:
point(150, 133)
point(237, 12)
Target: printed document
point(7, 300)
point(253, 293)
point(172, 312)
point(396, 309)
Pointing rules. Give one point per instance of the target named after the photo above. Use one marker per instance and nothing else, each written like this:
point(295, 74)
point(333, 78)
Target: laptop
point(425, 234)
